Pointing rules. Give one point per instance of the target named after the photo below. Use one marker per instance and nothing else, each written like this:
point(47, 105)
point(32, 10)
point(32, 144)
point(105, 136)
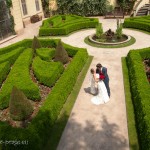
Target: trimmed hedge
point(38, 131)
point(11, 56)
point(46, 53)
point(142, 23)
point(4, 69)
point(64, 85)
point(140, 89)
point(19, 76)
point(47, 72)
point(71, 24)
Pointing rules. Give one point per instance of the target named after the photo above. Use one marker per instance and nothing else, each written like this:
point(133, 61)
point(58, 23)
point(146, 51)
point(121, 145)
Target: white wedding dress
point(102, 96)
point(92, 85)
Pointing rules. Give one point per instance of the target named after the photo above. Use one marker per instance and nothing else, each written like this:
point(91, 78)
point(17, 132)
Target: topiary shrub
point(35, 44)
point(99, 30)
point(61, 54)
point(19, 106)
point(119, 29)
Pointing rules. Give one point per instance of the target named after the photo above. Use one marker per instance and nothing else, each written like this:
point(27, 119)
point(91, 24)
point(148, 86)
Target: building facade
point(22, 11)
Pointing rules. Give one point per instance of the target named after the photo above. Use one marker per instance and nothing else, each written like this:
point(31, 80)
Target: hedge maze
point(140, 89)
point(47, 72)
point(65, 24)
point(142, 23)
point(16, 62)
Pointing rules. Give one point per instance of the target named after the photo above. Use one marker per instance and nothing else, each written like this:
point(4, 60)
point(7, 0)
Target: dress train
point(102, 96)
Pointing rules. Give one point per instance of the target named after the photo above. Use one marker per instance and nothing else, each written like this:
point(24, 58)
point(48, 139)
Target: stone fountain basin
point(107, 43)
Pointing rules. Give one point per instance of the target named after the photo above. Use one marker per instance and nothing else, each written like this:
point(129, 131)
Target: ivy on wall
point(9, 5)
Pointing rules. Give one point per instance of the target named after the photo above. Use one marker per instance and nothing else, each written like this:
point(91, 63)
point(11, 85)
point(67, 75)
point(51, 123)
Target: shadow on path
point(87, 137)
point(87, 90)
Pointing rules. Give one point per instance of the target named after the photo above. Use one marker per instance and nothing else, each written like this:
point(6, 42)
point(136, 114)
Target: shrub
point(119, 30)
point(19, 76)
point(39, 130)
point(55, 101)
point(35, 18)
point(72, 23)
point(61, 54)
point(35, 44)
point(142, 23)
point(20, 107)
point(99, 30)
point(4, 69)
point(11, 56)
point(47, 72)
point(140, 94)
point(46, 53)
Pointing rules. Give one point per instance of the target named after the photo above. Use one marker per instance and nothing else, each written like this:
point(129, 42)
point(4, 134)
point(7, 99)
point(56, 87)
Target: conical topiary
point(61, 54)
point(99, 30)
point(20, 107)
point(35, 44)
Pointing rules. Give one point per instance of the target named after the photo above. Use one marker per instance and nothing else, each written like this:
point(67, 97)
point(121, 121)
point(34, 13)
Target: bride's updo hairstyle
point(98, 65)
point(92, 71)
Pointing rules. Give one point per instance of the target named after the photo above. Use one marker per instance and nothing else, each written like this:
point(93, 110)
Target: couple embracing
point(100, 78)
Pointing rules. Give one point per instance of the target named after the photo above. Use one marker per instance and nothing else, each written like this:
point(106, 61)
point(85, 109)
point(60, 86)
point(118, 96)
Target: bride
point(102, 95)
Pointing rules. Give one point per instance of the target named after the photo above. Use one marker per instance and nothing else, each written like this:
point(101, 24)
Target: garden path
point(102, 127)
point(92, 127)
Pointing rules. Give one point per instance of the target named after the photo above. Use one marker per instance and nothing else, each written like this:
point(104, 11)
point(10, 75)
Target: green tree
point(126, 5)
point(61, 54)
point(99, 30)
point(19, 106)
point(64, 6)
point(45, 5)
point(82, 7)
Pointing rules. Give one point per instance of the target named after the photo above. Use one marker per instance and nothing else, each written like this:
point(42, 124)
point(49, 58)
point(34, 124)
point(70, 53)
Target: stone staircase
point(143, 10)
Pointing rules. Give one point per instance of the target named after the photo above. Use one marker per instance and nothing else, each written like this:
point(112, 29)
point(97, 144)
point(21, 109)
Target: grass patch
point(60, 124)
point(132, 41)
point(133, 138)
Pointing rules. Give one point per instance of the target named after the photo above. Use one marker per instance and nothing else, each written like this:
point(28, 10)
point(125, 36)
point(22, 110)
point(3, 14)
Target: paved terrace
point(102, 127)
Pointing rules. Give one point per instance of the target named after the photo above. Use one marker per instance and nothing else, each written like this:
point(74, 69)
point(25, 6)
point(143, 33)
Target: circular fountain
point(109, 38)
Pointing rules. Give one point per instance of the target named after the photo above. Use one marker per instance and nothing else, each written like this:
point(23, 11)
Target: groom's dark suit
point(106, 79)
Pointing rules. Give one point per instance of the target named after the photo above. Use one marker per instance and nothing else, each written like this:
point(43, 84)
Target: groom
point(103, 71)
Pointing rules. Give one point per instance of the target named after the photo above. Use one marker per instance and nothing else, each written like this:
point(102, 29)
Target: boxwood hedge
point(57, 26)
point(140, 89)
point(4, 69)
point(19, 76)
point(11, 56)
point(35, 136)
point(142, 23)
point(47, 72)
point(46, 53)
